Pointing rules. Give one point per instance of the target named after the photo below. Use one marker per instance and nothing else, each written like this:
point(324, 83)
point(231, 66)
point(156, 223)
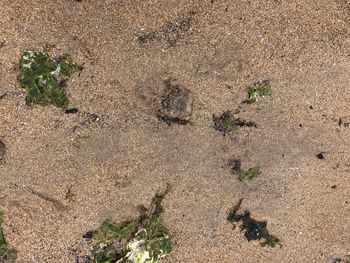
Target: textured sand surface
point(218, 48)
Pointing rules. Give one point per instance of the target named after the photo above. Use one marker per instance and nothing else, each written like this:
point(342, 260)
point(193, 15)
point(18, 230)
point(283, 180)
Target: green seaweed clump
point(143, 240)
point(250, 173)
point(6, 253)
point(260, 88)
point(45, 77)
point(253, 229)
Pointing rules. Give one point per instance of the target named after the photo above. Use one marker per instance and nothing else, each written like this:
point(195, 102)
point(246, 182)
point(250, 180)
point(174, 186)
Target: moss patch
point(142, 240)
point(45, 77)
point(6, 253)
point(260, 88)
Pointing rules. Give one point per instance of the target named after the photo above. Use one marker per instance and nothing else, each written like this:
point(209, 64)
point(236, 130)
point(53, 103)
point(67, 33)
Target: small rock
point(86, 259)
point(176, 104)
point(320, 156)
point(71, 111)
point(92, 117)
point(88, 235)
point(2, 151)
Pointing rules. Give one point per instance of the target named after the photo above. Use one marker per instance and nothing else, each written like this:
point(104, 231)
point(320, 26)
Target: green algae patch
point(45, 77)
point(6, 253)
point(109, 230)
point(250, 173)
point(258, 89)
point(142, 240)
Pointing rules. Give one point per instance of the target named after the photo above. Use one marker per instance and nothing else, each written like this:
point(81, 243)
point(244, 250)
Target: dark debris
point(253, 229)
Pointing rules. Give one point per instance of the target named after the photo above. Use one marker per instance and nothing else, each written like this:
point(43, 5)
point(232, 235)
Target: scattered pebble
point(320, 156)
point(88, 235)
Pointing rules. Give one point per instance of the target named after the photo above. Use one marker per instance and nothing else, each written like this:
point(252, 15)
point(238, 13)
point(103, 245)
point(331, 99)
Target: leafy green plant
point(250, 173)
point(143, 240)
point(45, 77)
point(6, 253)
point(260, 88)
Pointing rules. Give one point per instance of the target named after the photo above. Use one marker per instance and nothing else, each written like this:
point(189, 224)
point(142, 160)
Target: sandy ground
point(121, 161)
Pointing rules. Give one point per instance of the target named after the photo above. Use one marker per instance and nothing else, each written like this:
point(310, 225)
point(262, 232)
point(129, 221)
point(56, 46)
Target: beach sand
point(115, 162)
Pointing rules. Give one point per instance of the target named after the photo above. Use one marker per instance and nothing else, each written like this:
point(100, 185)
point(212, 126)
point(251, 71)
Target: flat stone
point(176, 104)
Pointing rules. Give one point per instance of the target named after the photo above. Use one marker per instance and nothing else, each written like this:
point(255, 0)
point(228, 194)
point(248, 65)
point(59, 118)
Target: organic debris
point(2, 152)
point(45, 77)
point(250, 173)
point(6, 254)
point(71, 111)
point(235, 165)
point(176, 104)
point(244, 174)
point(70, 196)
point(144, 240)
point(260, 88)
point(227, 123)
point(171, 32)
point(77, 141)
point(253, 229)
point(345, 259)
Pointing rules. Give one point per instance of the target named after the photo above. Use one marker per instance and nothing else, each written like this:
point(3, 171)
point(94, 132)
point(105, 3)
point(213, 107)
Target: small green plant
point(250, 173)
point(143, 240)
point(6, 253)
point(260, 88)
point(227, 122)
point(45, 77)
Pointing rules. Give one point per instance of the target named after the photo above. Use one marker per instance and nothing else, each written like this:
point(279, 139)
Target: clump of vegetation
point(260, 88)
point(250, 173)
point(253, 229)
point(227, 122)
point(144, 240)
point(45, 77)
point(244, 174)
point(6, 253)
